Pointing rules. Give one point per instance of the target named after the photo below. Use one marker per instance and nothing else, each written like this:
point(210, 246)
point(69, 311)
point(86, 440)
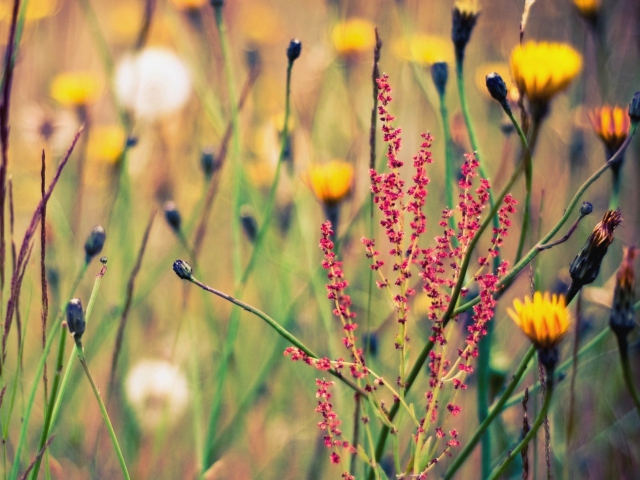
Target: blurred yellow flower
point(106, 143)
point(353, 36)
point(74, 89)
point(331, 182)
point(467, 7)
point(587, 8)
point(545, 320)
point(424, 49)
point(189, 4)
point(260, 24)
point(124, 21)
point(36, 9)
point(543, 69)
point(611, 124)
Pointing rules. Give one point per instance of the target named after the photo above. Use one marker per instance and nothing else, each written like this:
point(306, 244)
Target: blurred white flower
point(157, 392)
point(153, 83)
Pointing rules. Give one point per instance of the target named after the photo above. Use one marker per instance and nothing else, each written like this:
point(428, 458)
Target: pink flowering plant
point(444, 278)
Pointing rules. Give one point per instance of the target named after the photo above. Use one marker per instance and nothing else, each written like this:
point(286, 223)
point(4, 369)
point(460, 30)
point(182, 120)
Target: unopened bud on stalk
point(95, 242)
point(585, 209)
point(634, 108)
point(207, 162)
point(249, 223)
point(75, 318)
point(183, 269)
point(217, 3)
point(172, 215)
point(294, 49)
point(465, 16)
point(585, 267)
point(623, 315)
point(440, 75)
point(497, 88)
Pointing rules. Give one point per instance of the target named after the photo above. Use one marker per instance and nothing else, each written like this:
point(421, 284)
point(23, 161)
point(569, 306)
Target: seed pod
point(75, 318)
point(95, 242)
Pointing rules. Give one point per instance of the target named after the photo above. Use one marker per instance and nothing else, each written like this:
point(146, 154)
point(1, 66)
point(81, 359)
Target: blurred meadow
point(208, 135)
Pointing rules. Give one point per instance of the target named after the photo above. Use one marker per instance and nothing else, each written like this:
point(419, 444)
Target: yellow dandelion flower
point(424, 49)
point(587, 8)
point(545, 320)
point(36, 10)
point(543, 69)
point(331, 182)
point(123, 22)
point(260, 24)
point(74, 89)
point(611, 124)
point(189, 4)
point(353, 36)
point(106, 143)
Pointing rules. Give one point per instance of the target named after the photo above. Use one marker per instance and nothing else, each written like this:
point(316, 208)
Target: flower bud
point(440, 75)
point(294, 49)
point(249, 223)
point(465, 15)
point(95, 242)
point(634, 108)
point(623, 315)
point(585, 209)
point(103, 260)
point(172, 215)
point(75, 318)
point(217, 3)
point(496, 87)
point(207, 162)
point(183, 269)
point(585, 267)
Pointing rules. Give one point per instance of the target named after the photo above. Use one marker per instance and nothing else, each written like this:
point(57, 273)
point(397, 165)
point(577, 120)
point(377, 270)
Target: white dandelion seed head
point(153, 83)
point(157, 392)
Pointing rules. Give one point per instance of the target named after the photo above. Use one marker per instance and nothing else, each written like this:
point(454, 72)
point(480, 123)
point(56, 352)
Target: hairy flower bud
point(95, 242)
point(440, 75)
point(294, 49)
point(172, 215)
point(183, 269)
point(75, 318)
point(623, 315)
point(585, 267)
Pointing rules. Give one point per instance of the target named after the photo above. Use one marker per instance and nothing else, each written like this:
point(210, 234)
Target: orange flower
point(611, 124)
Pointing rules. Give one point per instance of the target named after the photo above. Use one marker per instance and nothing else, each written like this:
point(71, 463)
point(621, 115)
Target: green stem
point(493, 413)
point(103, 409)
point(527, 152)
point(614, 200)
point(626, 372)
point(530, 435)
point(448, 158)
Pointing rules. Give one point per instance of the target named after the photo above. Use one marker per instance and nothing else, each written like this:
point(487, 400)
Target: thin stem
point(448, 158)
point(530, 435)
point(626, 372)
point(103, 410)
point(527, 152)
point(493, 413)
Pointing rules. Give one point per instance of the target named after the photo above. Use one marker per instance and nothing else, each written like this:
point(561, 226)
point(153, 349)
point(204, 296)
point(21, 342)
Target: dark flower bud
point(207, 162)
point(634, 108)
point(549, 357)
point(586, 208)
point(440, 75)
point(496, 87)
point(371, 342)
point(585, 267)
point(464, 19)
point(294, 49)
point(103, 260)
point(75, 318)
point(172, 215)
point(95, 242)
point(132, 142)
point(253, 59)
point(623, 315)
point(183, 269)
point(217, 3)
point(249, 223)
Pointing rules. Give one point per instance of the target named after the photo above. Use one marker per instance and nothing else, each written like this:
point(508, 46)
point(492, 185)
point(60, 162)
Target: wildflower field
point(277, 239)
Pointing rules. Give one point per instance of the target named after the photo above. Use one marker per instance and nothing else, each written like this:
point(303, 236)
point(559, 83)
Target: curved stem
point(626, 372)
point(493, 413)
point(103, 410)
point(530, 435)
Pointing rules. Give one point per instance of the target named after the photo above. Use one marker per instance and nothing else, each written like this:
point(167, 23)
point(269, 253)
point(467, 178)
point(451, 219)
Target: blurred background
point(148, 82)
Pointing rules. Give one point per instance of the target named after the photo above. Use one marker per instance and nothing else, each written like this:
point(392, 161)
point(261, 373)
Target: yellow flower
point(424, 49)
point(353, 37)
point(544, 321)
point(543, 69)
point(260, 24)
point(587, 8)
point(36, 9)
point(331, 182)
point(189, 4)
point(611, 124)
point(106, 143)
point(74, 89)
